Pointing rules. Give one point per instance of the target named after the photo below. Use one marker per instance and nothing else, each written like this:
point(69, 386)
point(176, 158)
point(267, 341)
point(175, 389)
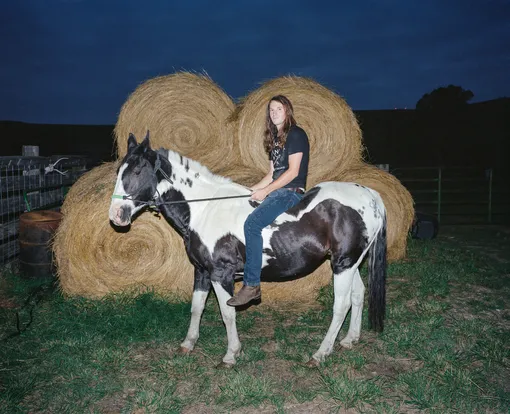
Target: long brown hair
point(271, 132)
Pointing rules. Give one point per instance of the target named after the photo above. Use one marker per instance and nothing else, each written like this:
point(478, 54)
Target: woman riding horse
point(342, 222)
point(282, 188)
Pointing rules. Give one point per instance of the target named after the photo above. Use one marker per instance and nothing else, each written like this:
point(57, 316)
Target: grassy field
point(445, 347)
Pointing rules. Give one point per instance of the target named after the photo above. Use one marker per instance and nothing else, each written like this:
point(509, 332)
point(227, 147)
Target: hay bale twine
point(94, 260)
point(184, 112)
point(332, 128)
point(398, 201)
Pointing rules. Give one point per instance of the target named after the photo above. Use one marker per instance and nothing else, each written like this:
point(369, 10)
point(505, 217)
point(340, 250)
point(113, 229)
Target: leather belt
point(298, 190)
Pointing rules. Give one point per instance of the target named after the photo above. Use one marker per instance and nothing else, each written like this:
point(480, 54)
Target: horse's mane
point(196, 167)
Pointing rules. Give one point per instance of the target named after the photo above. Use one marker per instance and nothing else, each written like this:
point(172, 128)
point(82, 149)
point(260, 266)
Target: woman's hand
point(259, 194)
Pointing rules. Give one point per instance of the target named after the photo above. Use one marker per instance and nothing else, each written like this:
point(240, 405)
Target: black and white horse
point(339, 221)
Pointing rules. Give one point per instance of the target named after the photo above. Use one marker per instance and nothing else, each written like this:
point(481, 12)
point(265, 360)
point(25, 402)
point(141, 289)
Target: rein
point(125, 197)
point(157, 167)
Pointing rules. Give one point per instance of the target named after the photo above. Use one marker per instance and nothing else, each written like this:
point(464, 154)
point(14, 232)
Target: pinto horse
point(339, 221)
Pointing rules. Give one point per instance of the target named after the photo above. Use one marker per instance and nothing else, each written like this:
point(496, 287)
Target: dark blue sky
point(76, 61)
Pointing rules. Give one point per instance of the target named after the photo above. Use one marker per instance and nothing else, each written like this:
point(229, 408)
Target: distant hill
point(477, 135)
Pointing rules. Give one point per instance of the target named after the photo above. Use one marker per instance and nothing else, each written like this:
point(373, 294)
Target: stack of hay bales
point(187, 113)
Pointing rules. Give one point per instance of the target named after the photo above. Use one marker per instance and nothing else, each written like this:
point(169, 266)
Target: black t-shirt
point(297, 141)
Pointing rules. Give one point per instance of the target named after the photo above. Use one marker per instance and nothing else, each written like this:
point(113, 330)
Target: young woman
point(282, 188)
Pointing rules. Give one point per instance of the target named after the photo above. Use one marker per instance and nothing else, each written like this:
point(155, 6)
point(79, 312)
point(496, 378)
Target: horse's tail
point(377, 279)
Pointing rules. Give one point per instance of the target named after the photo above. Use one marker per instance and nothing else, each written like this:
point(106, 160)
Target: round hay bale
point(398, 201)
point(94, 260)
point(184, 112)
point(331, 126)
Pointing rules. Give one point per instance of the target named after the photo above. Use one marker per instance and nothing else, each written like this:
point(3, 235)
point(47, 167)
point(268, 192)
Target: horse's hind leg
point(342, 282)
point(357, 296)
point(201, 289)
point(228, 314)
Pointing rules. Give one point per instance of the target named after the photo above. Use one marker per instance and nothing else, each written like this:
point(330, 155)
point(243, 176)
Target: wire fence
point(32, 183)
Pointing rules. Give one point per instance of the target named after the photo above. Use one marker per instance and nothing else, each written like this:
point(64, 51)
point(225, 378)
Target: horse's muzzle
point(120, 215)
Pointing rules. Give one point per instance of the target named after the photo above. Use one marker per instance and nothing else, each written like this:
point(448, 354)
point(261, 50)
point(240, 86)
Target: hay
point(187, 112)
point(94, 260)
point(398, 201)
point(184, 112)
point(332, 128)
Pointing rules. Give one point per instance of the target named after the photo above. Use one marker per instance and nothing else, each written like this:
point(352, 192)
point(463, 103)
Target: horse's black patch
point(303, 204)
point(202, 280)
point(226, 259)
point(186, 167)
point(189, 182)
point(138, 177)
point(253, 203)
point(361, 212)
point(125, 213)
point(182, 159)
point(197, 175)
point(299, 247)
point(177, 215)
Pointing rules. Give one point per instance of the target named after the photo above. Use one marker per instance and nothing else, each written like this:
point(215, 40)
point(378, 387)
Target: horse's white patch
point(119, 191)
point(229, 214)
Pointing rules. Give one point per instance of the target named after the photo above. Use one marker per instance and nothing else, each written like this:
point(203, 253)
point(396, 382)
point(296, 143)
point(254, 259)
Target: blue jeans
point(273, 205)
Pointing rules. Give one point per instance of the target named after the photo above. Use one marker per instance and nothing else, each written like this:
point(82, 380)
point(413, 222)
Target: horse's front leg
point(223, 285)
point(201, 289)
point(342, 283)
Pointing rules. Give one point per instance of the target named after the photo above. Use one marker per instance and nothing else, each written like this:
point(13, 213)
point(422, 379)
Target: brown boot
point(245, 295)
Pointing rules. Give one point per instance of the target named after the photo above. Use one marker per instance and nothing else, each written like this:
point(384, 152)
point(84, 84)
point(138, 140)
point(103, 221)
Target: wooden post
point(30, 151)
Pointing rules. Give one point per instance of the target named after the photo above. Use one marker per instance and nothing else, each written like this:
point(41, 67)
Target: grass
point(445, 347)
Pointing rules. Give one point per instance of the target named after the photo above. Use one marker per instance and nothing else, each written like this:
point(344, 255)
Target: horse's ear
point(131, 142)
point(146, 143)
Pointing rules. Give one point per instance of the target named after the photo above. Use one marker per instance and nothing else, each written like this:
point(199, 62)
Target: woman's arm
point(292, 172)
point(266, 180)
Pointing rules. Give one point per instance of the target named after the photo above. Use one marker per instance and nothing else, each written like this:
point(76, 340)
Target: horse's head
point(136, 181)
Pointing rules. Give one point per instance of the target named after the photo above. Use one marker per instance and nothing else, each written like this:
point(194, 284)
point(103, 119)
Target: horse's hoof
point(348, 344)
point(312, 363)
point(184, 351)
point(225, 365)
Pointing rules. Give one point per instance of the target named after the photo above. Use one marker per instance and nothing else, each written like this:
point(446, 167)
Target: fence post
point(490, 196)
point(439, 175)
point(30, 150)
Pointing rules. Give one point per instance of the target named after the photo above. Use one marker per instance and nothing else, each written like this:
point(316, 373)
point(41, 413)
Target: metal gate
point(459, 195)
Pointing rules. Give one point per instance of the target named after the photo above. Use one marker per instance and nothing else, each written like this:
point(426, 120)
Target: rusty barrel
point(36, 229)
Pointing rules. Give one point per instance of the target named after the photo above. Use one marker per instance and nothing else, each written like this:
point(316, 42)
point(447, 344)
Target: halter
point(154, 203)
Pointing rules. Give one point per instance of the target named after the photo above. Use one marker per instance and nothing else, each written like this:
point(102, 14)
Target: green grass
point(445, 347)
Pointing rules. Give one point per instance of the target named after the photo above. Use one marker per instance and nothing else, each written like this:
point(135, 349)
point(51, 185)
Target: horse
point(339, 221)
